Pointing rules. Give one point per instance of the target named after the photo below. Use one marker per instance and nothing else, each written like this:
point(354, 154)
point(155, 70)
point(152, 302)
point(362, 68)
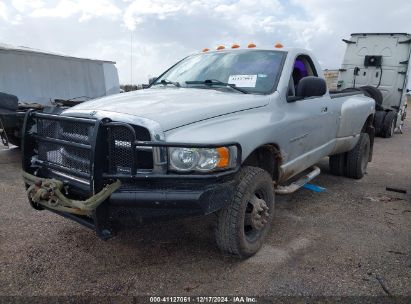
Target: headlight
point(202, 159)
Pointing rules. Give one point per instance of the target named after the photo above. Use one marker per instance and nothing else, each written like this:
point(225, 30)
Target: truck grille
point(124, 157)
point(66, 144)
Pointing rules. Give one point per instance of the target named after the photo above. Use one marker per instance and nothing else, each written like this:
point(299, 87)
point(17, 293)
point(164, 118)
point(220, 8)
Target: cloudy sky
point(164, 31)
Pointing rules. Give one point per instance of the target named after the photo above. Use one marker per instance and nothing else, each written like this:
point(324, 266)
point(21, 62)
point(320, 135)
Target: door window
point(303, 67)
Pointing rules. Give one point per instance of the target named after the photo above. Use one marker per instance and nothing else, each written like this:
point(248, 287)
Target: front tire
point(243, 224)
point(358, 157)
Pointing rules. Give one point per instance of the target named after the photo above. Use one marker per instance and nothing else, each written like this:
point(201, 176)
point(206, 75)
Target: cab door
point(312, 121)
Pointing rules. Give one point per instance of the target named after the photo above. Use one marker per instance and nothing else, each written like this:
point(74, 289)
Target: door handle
point(324, 109)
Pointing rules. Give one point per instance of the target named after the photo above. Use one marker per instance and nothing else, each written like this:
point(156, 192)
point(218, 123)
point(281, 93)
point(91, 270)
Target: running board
point(298, 183)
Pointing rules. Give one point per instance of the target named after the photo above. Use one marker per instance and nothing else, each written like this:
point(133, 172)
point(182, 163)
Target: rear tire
point(243, 224)
point(337, 164)
point(388, 125)
point(358, 157)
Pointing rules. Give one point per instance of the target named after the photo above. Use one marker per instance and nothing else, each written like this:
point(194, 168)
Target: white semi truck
point(379, 60)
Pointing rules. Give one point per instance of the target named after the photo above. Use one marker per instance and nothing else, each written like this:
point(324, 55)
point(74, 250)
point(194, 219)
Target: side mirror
point(311, 86)
point(151, 80)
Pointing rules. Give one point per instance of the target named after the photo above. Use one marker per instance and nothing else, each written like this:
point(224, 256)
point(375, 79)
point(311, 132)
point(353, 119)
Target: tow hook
point(47, 192)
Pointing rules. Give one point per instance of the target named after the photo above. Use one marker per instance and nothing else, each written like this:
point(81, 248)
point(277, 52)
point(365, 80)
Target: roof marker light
point(220, 47)
point(206, 50)
point(278, 45)
point(251, 45)
point(235, 46)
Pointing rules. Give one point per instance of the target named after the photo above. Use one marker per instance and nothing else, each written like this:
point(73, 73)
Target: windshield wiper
point(166, 82)
point(211, 82)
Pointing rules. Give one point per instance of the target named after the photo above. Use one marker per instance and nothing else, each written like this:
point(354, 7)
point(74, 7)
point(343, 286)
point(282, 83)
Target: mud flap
point(371, 133)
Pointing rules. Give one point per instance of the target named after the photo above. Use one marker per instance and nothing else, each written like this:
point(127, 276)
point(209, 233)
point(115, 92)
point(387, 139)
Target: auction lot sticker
point(243, 81)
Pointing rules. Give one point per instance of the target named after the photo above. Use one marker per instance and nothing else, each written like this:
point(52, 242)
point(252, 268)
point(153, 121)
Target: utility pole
point(131, 66)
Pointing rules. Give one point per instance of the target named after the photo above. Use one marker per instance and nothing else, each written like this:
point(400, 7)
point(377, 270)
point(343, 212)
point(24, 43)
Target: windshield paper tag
point(243, 81)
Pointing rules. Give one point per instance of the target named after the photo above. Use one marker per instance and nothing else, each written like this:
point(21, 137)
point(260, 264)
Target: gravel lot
point(350, 240)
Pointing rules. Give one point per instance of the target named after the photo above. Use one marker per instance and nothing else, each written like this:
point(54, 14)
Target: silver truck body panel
point(348, 123)
point(305, 130)
point(174, 107)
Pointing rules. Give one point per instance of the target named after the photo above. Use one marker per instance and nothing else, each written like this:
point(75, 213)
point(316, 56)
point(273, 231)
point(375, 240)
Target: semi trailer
point(50, 82)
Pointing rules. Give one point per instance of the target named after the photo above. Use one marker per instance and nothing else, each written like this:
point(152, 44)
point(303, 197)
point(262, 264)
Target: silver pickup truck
point(219, 132)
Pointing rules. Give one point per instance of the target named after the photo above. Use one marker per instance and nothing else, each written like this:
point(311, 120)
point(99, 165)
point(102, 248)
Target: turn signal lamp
point(278, 45)
point(251, 45)
point(220, 47)
point(224, 155)
point(235, 46)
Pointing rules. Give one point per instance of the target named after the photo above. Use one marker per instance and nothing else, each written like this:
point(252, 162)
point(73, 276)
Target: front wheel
point(243, 224)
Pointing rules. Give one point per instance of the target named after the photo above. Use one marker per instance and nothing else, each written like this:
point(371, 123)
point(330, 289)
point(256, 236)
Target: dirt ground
point(353, 239)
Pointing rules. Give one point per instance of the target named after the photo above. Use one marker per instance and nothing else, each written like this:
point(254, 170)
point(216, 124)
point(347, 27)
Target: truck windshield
point(253, 71)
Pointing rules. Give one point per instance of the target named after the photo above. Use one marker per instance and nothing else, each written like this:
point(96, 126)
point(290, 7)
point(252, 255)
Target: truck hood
point(170, 107)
